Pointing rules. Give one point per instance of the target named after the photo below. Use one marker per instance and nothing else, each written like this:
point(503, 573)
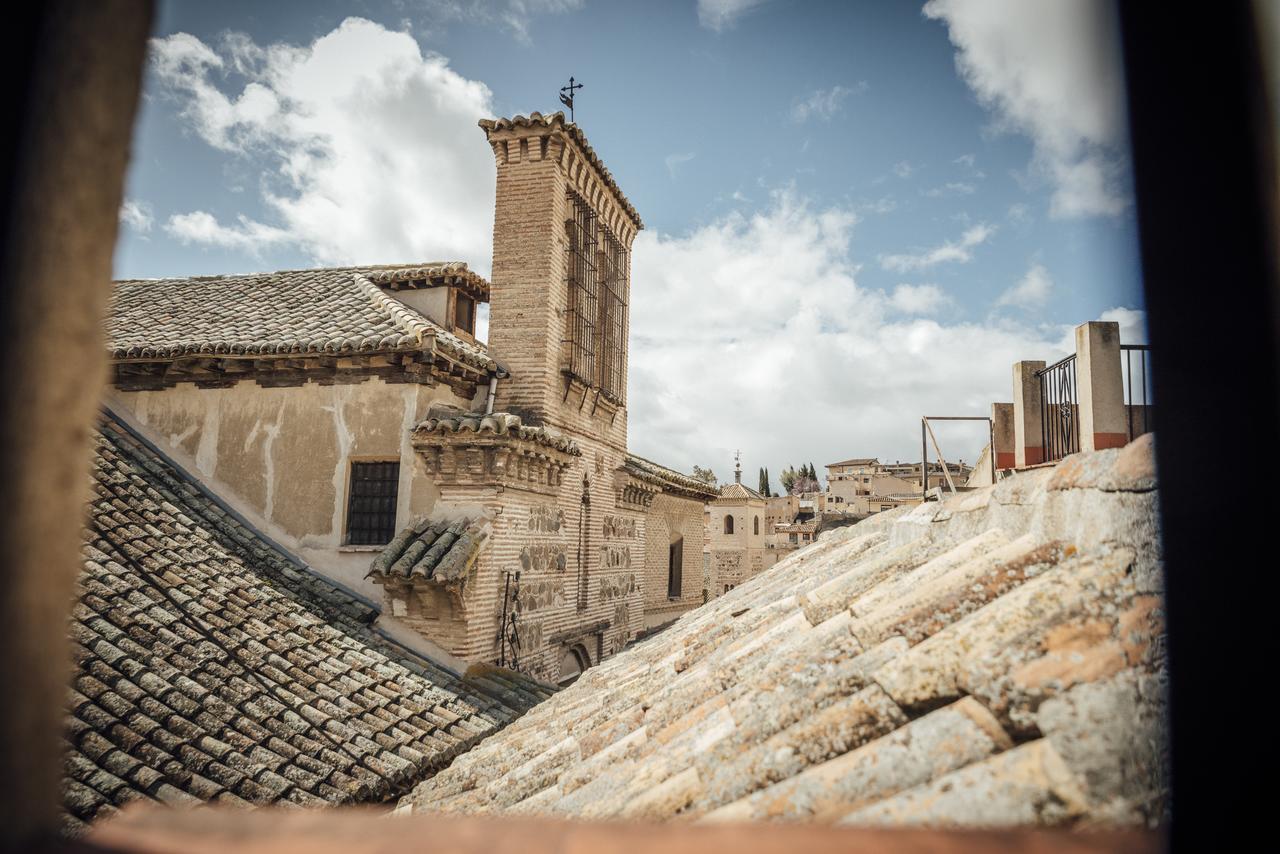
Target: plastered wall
point(282, 456)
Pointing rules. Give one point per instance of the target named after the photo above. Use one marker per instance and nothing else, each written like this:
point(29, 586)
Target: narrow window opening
point(464, 314)
point(675, 568)
point(371, 503)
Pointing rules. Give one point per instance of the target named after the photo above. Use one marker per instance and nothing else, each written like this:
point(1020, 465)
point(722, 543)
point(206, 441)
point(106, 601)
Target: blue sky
point(855, 212)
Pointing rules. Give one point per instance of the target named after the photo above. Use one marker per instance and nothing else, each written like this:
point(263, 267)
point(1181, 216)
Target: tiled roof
point(435, 548)
point(668, 479)
point(444, 420)
point(209, 666)
point(857, 461)
point(335, 311)
point(993, 659)
point(536, 119)
point(738, 491)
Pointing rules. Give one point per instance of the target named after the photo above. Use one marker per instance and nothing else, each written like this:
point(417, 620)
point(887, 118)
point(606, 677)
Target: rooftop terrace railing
point(1059, 409)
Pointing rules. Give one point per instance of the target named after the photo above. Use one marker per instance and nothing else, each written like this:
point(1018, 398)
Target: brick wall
point(669, 517)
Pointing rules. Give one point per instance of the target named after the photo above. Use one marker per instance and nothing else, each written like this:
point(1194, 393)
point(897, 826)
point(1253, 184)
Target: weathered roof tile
point(175, 698)
point(981, 661)
point(333, 311)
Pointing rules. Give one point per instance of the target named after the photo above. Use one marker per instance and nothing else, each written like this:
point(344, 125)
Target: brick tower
point(561, 278)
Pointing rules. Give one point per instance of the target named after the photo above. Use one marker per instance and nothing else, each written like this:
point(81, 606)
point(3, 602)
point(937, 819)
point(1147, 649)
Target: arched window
point(572, 663)
point(757, 526)
point(728, 524)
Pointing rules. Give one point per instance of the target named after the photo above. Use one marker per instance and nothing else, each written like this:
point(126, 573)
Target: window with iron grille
point(371, 504)
point(597, 316)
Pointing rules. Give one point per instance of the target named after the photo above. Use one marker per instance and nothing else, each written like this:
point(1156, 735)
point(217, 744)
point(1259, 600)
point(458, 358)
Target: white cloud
point(137, 215)
point(1132, 321)
point(514, 16)
point(720, 15)
point(1019, 213)
point(1050, 69)
point(918, 299)
point(823, 103)
point(378, 160)
point(201, 227)
point(903, 169)
point(952, 251)
point(882, 205)
point(1133, 324)
point(753, 332)
point(1031, 291)
point(675, 161)
point(951, 188)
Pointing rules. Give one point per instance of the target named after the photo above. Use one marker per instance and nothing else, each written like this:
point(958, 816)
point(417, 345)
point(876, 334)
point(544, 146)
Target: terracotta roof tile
point(669, 479)
point(444, 420)
point(204, 658)
point(993, 659)
point(333, 311)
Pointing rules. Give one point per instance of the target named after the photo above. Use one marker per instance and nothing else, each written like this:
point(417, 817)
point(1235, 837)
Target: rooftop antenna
point(567, 100)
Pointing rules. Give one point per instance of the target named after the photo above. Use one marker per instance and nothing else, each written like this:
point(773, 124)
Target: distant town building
point(864, 485)
point(737, 527)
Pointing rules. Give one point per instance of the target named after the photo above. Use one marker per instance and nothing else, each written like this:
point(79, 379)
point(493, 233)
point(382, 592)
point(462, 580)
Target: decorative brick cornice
point(552, 137)
point(493, 450)
point(633, 493)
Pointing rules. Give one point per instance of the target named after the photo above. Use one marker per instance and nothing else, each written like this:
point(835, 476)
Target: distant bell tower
point(562, 236)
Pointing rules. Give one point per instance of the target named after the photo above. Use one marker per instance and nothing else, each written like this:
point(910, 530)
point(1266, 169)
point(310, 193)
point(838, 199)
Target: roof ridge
point(446, 266)
point(403, 315)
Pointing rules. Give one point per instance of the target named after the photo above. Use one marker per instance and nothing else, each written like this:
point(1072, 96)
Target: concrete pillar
point(1101, 387)
point(1002, 435)
point(1028, 432)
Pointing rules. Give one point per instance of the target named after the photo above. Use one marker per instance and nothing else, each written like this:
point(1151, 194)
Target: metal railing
point(1137, 409)
point(926, 434)
point(1059, 409)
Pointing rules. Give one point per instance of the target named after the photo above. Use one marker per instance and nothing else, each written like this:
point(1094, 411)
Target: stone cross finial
point(737, 466)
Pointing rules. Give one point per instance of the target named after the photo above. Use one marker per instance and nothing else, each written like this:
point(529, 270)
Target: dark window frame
point(465, 324)
point(675, 569)
point(596, 271)
point(373, 490)
point(728, 524)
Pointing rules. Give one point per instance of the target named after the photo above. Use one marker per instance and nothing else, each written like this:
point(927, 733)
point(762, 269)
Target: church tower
point(561, 278)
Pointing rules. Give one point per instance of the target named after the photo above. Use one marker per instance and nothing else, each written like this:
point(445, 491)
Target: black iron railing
point(1059, 409)
point(1137, 399)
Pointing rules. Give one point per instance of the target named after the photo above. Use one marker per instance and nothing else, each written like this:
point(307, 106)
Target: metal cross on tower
point(567, 100)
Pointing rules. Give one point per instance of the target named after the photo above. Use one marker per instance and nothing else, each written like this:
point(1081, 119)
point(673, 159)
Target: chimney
point(562, 236)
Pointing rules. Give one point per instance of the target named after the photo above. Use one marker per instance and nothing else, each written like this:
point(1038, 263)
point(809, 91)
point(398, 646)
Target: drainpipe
point(493, 387)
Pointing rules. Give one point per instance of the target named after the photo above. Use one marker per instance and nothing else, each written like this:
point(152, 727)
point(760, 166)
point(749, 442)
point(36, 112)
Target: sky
point(856, 213)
